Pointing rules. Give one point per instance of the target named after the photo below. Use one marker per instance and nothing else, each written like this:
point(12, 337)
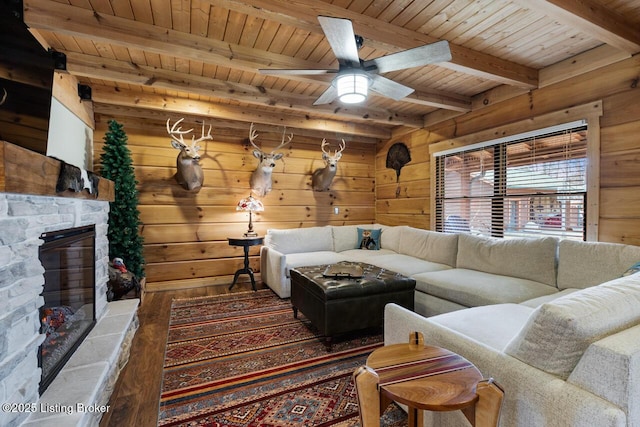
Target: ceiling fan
point(355, 76)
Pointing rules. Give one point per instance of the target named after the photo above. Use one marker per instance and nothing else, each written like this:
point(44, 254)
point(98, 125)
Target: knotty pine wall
point(185, 234)
point(619, 206)
point(404, 200)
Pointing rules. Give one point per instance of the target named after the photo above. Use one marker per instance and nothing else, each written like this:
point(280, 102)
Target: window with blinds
point(530, 184)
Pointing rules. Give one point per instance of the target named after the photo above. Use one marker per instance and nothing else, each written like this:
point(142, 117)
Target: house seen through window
point(531, 184)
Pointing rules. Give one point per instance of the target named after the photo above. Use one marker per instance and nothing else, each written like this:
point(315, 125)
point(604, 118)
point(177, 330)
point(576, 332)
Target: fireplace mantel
point(23, 171)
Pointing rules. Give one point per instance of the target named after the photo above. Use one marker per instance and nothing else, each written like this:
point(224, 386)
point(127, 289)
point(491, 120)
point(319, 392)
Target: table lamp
point(252, 205)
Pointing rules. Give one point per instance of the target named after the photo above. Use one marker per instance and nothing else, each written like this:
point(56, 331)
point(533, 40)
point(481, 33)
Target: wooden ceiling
point(201, 58)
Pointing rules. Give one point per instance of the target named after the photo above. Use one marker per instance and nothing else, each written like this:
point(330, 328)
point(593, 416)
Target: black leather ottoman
point(339, 305)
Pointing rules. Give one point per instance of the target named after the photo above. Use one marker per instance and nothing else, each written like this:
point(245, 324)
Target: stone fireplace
point(78, 395)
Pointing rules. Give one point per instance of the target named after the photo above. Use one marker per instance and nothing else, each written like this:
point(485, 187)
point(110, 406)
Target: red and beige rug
point(242, 360)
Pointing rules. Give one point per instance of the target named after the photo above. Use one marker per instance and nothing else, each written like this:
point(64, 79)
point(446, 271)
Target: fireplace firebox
point(68, 313)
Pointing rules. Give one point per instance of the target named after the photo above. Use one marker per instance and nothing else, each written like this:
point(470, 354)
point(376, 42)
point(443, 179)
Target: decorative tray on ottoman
point(343, 271)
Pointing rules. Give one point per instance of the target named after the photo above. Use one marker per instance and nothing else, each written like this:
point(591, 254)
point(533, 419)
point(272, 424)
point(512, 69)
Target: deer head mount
point(261, 177)
point(322, 177)
point(189, 174)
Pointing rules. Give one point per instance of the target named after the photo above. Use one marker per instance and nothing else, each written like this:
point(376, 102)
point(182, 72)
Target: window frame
point(590, 113)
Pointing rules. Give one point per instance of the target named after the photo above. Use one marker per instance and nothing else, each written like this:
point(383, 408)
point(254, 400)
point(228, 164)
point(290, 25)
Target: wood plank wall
point(616, 85)
point(404, 200)
point(185, 234)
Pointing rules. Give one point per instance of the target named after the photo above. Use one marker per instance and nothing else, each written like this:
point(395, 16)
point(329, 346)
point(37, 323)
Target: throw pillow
point(369, 239)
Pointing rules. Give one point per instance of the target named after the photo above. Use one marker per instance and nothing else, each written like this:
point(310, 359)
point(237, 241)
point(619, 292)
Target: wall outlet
point(336, 210)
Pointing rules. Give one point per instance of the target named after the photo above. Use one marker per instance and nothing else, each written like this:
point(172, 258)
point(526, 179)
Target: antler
point(203, 137)
point(253, 134)
point(328, 153)
point(283, 143)
point(173, 131)
point(342, 147)
point(324, 144)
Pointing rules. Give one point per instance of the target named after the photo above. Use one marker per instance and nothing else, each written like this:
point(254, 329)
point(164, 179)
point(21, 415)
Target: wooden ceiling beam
point(592, 18)
point(154, 121)
point(582, 63)
point(80, 22)
point(304, 14)
point(440, 99)
point(128, 98)
point(126, 72)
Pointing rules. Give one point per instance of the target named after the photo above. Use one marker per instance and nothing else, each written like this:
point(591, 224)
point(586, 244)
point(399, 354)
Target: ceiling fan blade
point(327, 96)
point(389, 88)
point(281, 71)
point(339, 33)
point(416, 57)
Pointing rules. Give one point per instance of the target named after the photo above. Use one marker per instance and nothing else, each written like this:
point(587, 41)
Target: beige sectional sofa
point(555, 322)
point(452, 271)
point(405, 250)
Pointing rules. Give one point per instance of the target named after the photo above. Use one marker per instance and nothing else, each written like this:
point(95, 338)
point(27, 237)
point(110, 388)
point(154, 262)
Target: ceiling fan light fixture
point(352, 86)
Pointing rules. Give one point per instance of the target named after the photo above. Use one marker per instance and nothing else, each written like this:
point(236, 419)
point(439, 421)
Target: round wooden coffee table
point(422, 377)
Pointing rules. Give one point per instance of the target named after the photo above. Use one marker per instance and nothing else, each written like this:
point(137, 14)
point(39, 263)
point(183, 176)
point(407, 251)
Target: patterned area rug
point(242, 360)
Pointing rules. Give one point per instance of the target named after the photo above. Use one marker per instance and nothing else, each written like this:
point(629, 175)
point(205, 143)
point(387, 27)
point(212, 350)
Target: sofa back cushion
point(558, 332)
point(429, 245)
point(584, 264)
point(392, 237)
point(345, 237)
point(532, 259)
point(295, 240)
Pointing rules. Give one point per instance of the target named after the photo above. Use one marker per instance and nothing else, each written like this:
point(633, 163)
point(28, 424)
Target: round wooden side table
point(424, 377)
point(246, 243)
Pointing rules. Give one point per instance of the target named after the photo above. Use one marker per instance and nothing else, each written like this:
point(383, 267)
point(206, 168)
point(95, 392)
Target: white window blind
point(527, 185)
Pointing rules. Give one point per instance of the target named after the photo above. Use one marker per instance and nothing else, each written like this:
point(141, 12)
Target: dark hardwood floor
point(136, 396)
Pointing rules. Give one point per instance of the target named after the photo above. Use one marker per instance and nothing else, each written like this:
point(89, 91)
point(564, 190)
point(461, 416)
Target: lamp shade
point(352, 86)
point(250, 204)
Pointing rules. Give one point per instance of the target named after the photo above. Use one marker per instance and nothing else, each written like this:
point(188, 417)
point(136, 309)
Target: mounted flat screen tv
point(26, 81)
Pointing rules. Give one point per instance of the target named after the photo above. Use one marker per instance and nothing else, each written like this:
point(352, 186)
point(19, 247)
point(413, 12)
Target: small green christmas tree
point(124, 218)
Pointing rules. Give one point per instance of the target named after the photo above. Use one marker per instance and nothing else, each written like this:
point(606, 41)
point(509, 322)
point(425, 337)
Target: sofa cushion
point(369, 239)
point(305, 259)
point(405, 264)
point(344, 237)
point(487, 324)
point(580, 264)
point(392, 237)
point(558, 332)
point(365, 256)
point(533, 259)
point(536, 302)
point(428, 245)
point(472, 288)
point(297, 240)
